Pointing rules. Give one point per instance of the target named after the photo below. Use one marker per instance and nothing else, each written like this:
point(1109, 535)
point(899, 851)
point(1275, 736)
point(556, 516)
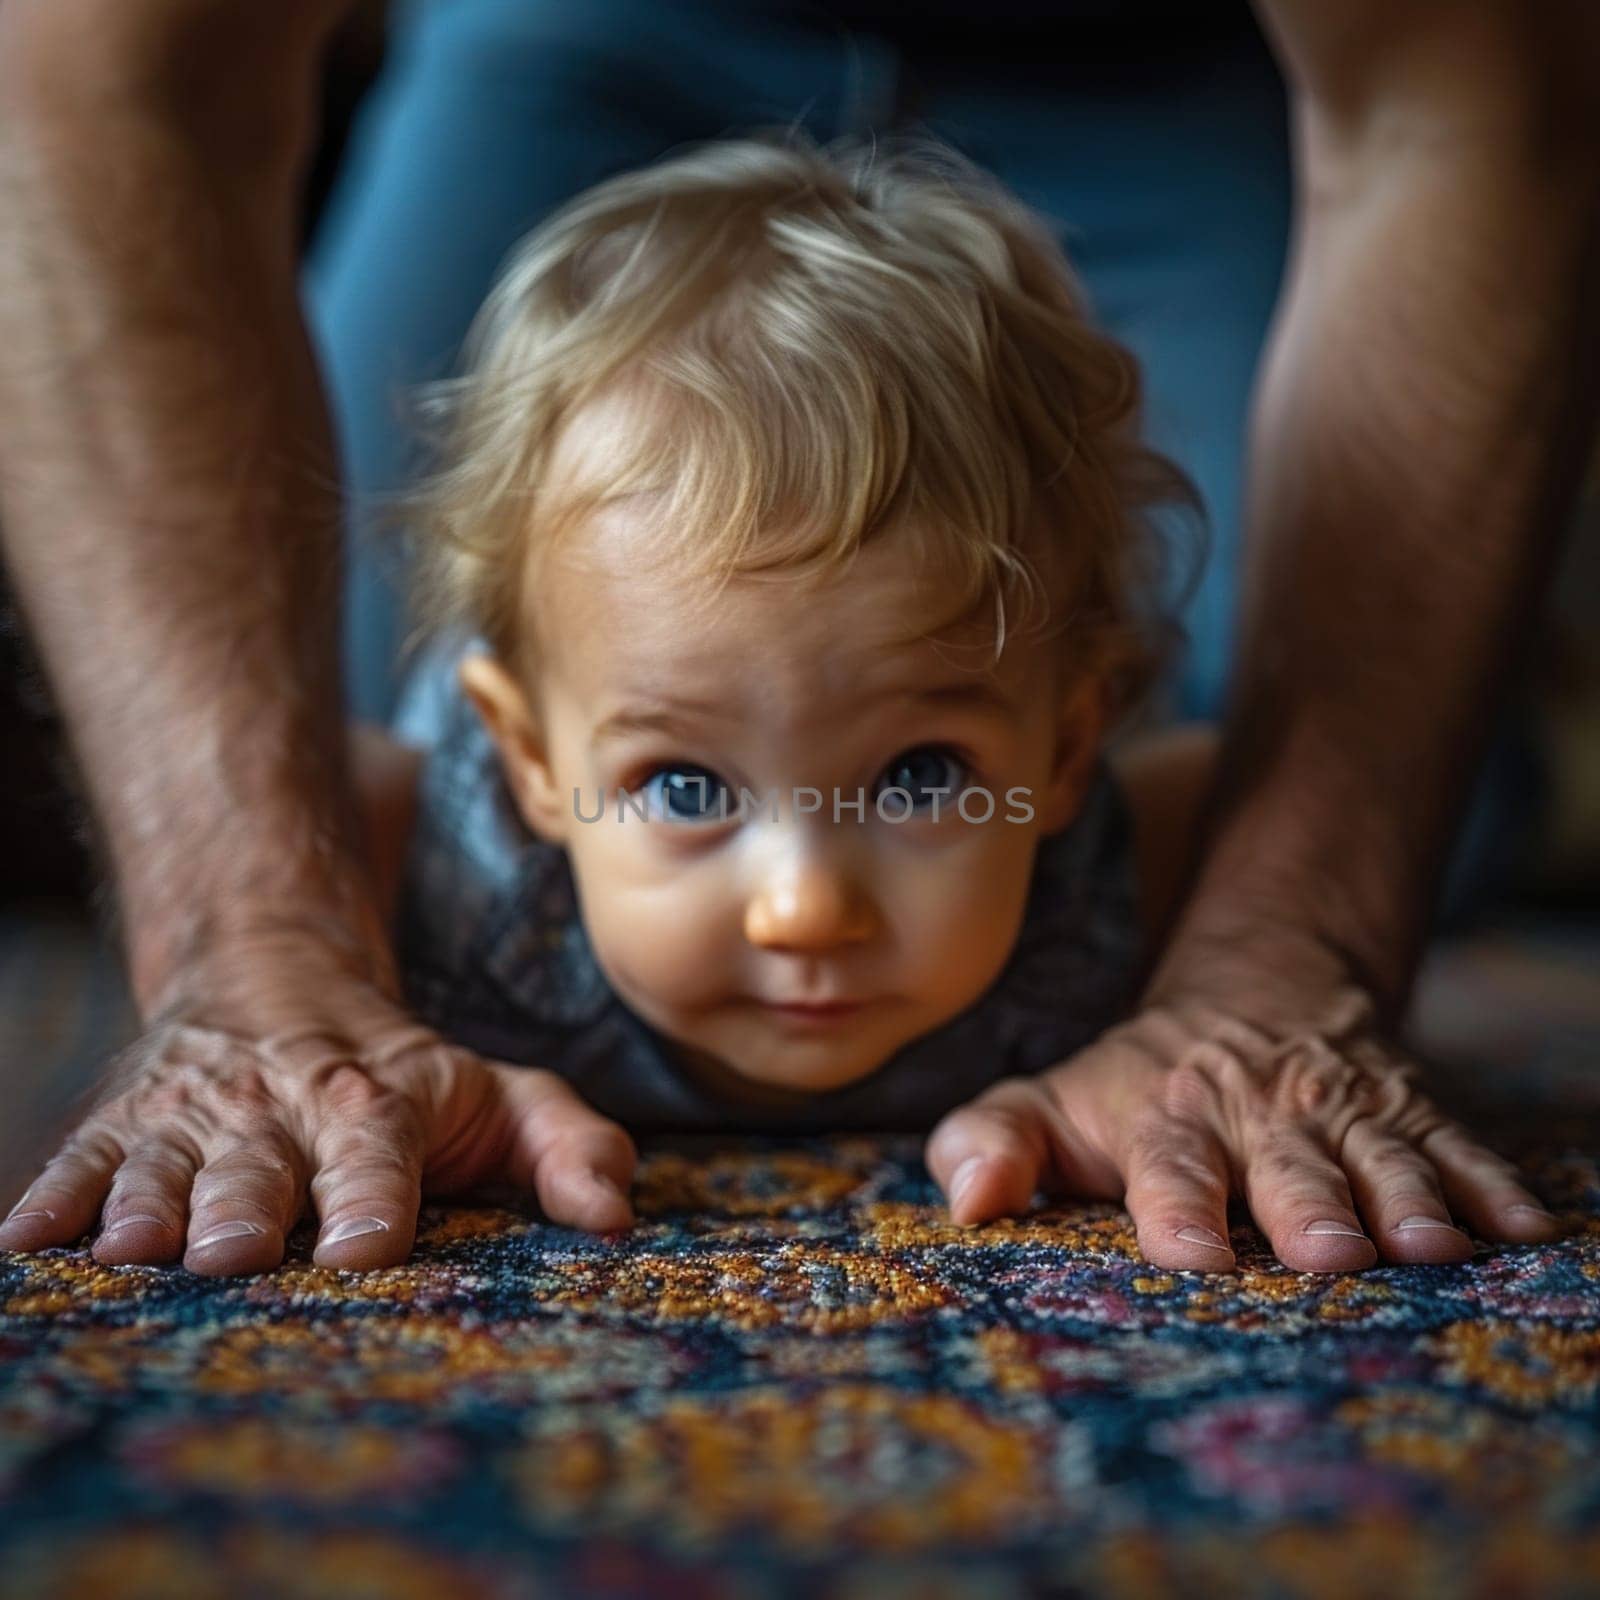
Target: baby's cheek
point(960, 920)
point(653, 943)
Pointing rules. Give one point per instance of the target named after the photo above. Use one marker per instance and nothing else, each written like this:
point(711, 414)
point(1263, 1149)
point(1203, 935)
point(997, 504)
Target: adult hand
point(281, 1068)
point(1315, 1120)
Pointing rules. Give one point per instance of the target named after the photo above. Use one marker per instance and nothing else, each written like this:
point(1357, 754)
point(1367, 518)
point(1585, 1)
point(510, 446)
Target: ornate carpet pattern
point(795, 1377)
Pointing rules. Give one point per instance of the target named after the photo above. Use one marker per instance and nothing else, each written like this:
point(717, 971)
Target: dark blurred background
point(1517, 979)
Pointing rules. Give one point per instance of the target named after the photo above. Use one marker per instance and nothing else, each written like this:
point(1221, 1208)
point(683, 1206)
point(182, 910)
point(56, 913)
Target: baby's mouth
point(815, 1012)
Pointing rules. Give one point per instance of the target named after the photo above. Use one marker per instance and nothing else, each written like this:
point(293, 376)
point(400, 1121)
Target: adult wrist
point(1313, 862)
point(171, 959)
point(1268, 963)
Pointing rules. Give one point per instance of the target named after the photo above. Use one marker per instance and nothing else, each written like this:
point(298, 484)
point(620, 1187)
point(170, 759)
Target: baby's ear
point(1080, 728)
point(521, 741)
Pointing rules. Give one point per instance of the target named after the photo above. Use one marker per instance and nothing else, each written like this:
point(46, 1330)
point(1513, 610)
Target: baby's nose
point(809, 907)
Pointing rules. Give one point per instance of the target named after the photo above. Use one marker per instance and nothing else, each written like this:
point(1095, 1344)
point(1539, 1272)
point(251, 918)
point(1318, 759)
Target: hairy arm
point(167, 484)
point(1418, 427)
point(170, 503)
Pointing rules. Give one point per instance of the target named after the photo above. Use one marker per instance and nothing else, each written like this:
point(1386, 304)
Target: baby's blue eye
point(926, 766)
point(687, 794)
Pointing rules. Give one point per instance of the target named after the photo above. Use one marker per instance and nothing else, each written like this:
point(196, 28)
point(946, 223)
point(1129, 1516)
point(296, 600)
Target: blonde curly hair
point(827, 345)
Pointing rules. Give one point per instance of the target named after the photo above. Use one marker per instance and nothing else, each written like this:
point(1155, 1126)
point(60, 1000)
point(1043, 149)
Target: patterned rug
point(794, 1377)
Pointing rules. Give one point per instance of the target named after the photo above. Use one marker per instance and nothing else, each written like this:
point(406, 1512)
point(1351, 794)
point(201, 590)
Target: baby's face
point(708, 925)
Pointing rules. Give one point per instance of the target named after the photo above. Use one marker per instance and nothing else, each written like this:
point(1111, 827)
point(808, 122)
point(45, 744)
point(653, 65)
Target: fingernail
point(1534, 1211)
point(128, 1222)
point(961, 1178)
point(353, 1228)
point(22, 1216)
point(1202, 1236)
point(228, 1230)
point(1424, 1222)
point(1332, 1225)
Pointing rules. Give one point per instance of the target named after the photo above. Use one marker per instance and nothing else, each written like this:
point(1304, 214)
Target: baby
point(786, 570)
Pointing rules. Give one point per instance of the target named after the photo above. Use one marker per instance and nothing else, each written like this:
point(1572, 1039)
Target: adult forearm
point(1421, 416)
point(168, 490)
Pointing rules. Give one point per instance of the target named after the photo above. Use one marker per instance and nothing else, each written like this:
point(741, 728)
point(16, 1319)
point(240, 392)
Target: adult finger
point(994, 1152)
point(243, 1205)
point(1177, 1178)
point(1300, 1198)
point(576, 1161)
point(1485, 1189)
point(1396, 1189)
point(989, 1155)
point(145, 1215)
point(61, 1204)
point(367, 1187)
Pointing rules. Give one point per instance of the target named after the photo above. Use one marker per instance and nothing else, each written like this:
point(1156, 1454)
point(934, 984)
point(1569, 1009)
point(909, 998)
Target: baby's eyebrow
point(978, 694)
point(677, 716)
point(665, 717)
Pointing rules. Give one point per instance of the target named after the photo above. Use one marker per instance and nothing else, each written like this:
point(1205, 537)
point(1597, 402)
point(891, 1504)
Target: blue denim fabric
point(494, 954)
